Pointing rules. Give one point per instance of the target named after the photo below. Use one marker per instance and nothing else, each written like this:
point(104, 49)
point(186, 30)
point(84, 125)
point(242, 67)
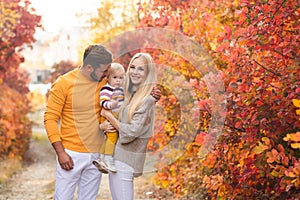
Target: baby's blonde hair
point(115, 68)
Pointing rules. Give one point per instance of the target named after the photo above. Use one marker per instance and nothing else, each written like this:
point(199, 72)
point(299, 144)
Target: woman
point(135, 125)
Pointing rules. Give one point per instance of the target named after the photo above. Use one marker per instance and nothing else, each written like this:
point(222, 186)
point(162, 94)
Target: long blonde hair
point(135, 98)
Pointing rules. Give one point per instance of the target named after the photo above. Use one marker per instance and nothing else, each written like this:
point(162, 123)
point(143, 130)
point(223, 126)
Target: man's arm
point(53, 112)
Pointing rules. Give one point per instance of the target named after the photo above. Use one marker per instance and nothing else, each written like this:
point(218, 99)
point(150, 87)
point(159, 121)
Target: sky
point(63, 31)
point(62, 13)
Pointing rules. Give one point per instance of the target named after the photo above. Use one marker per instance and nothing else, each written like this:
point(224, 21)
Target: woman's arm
point(140, 123)
point(111, 118)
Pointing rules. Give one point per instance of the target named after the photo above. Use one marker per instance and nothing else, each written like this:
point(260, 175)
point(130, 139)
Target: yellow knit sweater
point(72, 113)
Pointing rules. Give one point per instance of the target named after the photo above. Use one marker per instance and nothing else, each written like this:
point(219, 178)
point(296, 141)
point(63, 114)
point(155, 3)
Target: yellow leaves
point(9, 17)
point(164, 183)
point(294, 138)
point(260, 148)
point(296, 103)
point(222, 192)
point(295, 145)
point(37, 100)
point(266, 140)
point(278, 171)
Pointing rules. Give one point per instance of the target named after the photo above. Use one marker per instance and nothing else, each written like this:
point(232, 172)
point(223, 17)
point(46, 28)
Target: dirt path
point(36, 180)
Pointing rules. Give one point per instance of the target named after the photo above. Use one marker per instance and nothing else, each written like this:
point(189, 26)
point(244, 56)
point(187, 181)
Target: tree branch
point(275, 73)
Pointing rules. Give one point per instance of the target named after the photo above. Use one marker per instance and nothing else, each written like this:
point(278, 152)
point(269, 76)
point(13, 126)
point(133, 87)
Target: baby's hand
point(114, 104)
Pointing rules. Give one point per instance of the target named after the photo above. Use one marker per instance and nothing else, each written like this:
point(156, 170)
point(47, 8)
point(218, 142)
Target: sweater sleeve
point(136, 128)
point(106, 93)
point(54, 108)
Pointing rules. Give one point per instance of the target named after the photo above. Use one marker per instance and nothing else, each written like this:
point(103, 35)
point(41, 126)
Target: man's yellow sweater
point(72, 113)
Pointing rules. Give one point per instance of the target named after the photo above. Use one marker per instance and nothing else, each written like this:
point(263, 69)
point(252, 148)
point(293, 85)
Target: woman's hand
point(107, 126)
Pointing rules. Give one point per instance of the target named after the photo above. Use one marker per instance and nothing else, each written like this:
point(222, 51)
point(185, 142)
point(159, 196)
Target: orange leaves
point(200, 137)
point(18, 26)
point(210, 160)
point(15, 128)
point(273, 156)
point(255, 44)
point(213, 182)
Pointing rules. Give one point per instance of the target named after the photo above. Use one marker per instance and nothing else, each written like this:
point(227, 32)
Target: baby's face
point(116, 78)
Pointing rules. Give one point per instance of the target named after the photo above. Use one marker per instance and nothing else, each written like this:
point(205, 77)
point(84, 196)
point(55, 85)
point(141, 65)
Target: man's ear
point(89, 68)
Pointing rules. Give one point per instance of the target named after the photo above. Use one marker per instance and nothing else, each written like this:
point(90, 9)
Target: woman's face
point(137, 71)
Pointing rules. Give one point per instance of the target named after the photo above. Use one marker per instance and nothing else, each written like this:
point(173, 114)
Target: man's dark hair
point(95, 55)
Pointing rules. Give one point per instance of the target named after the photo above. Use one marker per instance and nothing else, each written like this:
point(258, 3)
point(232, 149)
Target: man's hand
point(156, 93)
point(65, 161)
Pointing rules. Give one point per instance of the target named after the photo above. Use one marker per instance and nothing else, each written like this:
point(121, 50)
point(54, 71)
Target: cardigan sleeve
point(139, 124)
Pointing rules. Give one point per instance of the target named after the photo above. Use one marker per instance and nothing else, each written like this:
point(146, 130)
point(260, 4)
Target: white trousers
point(84, 175)
point(121, 182)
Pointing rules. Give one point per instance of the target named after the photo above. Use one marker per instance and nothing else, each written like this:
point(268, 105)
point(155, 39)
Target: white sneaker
point(101, 165)
point(110, 164)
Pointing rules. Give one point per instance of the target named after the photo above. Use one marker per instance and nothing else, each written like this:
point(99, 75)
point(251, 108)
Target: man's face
point(99, 73)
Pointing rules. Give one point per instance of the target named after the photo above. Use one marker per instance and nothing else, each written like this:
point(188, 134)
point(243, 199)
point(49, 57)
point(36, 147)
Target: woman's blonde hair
point(144, 89)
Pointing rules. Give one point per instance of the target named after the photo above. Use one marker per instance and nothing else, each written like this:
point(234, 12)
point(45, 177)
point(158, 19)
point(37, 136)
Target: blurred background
point(228, 72)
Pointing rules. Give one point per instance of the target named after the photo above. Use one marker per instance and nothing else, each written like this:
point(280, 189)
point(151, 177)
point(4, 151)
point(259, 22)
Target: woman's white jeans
point(121, 182)
point(84, 174)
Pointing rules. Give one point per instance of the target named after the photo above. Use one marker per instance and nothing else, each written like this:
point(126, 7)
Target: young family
point(88, 145)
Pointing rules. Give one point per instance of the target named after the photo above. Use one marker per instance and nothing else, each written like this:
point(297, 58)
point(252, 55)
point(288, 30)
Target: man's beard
point(95, 78)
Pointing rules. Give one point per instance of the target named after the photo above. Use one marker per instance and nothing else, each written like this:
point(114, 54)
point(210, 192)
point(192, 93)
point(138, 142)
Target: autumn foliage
point(255, 45)
point(18, 25)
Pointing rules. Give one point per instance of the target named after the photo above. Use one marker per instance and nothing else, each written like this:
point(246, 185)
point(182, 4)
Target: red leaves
point(17, 30)
point(257, 47)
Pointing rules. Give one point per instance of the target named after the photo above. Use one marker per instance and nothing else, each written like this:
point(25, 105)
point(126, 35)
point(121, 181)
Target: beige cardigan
point(133, 139)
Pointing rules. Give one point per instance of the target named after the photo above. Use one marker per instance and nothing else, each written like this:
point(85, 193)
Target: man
point(74, 102)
